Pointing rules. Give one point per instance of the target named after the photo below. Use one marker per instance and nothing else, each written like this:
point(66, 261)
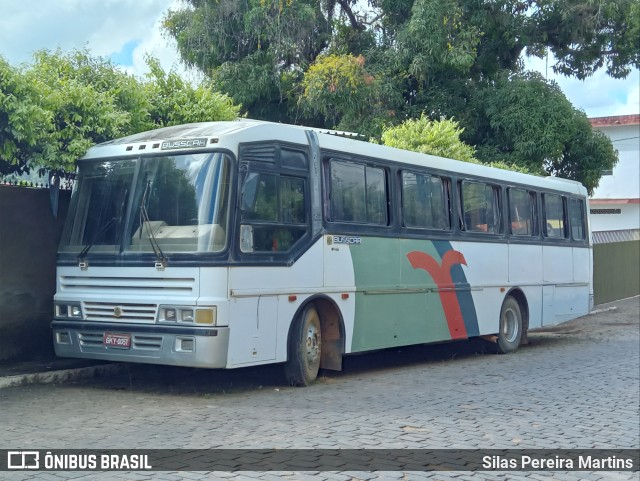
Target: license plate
point(121, 341)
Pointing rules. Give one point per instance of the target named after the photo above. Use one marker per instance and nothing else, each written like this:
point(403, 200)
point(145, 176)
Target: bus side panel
point(252, 337)
point(559, 288)
point(259, 321)
point(487, 271)
point(397, 298)
point(525, 272)
point(566, 301)
point(571, 299)
point(582, 276)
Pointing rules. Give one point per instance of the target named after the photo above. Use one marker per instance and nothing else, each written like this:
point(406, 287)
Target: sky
point(125, 30)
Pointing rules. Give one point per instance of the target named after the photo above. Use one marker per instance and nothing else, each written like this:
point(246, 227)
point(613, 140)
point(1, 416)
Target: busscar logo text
point(183, 144)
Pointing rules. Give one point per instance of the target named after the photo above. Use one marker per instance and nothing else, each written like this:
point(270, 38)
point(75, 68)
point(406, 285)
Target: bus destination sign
point(184, 144)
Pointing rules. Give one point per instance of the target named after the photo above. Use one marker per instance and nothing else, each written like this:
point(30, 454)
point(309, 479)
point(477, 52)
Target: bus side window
point(521, 212)
point(274, 205)
point(554, 216)
point(481, 207)
point(358, 193)
point(425, 201)
point(576, 219)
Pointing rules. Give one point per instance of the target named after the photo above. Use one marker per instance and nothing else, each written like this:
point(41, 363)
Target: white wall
point(629, 217)
point(623, 185)
point(625, 181)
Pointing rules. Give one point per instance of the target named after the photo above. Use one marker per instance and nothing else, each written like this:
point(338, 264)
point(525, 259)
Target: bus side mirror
point(246, 238)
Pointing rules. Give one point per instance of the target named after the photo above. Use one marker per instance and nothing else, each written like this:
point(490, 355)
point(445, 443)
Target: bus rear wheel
point(305, 349)
point(510, 333)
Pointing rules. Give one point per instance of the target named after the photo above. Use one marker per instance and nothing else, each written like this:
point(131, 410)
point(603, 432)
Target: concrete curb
point(600, 311)
point(63, 375)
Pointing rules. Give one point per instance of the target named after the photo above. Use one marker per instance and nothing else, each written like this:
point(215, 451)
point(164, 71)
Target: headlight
point(186, 314)
point(68, 310)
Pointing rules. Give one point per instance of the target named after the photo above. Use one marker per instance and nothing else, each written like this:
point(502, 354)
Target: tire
point(305, 349)
point(511, 328)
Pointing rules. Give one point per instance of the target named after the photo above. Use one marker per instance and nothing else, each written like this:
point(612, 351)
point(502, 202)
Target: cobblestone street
point(574, 386)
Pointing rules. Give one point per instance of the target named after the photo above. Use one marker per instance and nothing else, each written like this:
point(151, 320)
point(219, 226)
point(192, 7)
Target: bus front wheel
point(510, 333)
point(305, 349)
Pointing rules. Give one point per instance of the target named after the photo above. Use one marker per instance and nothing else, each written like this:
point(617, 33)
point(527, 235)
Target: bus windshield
point(176, 203)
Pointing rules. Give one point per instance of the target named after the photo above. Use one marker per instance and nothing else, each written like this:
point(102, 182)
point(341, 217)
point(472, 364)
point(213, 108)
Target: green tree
point(21, 120)
point(341, 90)
point(174, 101)
point(251, 48)
point(54, 109)
point(448, 58)
point(419, 38)
point(434, 137)
point(528, 121)
point(103, 76)
point(586, 35)
point(82, 112)
point(441, 138)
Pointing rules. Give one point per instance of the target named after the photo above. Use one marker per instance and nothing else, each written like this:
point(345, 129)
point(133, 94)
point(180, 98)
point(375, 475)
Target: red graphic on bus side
point(441, 274)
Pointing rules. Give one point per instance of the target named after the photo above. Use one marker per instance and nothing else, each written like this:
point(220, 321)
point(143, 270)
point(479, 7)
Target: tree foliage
point(82, 110)
point(173, 101)
point(434, 137)
point(526, 120)
point(21, 119)
point(251, 48)
point(338, 86)
point(341, 64)
point(54, 109)
point(440, 138)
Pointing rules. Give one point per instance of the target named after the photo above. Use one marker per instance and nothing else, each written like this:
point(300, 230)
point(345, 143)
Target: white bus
point(232, 244)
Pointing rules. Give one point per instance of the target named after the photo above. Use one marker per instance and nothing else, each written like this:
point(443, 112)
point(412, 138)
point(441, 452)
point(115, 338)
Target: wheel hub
point(510, 326)
point(313, 346)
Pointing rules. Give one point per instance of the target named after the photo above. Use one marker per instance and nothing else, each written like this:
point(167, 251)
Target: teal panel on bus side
point(387, 314)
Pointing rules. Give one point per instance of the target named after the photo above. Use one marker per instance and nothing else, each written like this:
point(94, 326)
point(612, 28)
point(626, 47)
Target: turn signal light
point(206, 316)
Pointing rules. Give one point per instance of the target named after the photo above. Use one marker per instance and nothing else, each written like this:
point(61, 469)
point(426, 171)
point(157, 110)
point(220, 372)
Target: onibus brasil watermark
point(232, 460)
point(35, 460)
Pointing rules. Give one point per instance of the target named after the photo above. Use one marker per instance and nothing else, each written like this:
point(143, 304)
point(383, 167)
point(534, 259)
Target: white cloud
point(632, 105)
point(598, 95)
point(159, 45)
point(103, 26)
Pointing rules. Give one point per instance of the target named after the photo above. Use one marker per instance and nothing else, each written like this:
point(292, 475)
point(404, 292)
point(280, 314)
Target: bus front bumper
point(204, 347)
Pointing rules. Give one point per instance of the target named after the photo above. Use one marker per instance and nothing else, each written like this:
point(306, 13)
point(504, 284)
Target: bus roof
point(328, 139)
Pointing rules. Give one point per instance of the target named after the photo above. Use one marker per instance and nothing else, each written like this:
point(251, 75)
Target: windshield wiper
point(85, 250)
point(161, 259)
point(82, 262)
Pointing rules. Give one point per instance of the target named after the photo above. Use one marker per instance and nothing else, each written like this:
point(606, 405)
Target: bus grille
point(93, 339)
point(147, 342)
point(129, 313)
point(181, 286)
